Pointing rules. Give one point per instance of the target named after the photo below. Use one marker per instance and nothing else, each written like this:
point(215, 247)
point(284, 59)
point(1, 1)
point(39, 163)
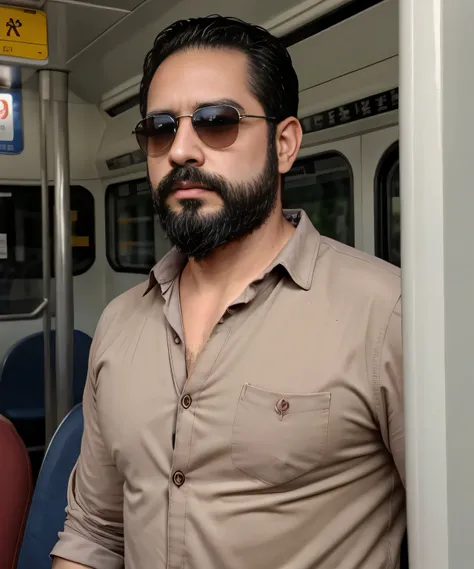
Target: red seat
point(16, 487)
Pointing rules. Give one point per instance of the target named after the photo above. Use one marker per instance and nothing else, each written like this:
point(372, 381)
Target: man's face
point(205, 196)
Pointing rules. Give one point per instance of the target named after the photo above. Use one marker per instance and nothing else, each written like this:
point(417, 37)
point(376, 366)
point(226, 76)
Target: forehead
point(203, 75)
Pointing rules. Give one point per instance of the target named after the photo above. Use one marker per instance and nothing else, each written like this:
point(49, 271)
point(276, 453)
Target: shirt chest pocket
point(279, 436)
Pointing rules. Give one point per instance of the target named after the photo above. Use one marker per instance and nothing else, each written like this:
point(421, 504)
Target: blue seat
point(22, 375)
point(47, 510)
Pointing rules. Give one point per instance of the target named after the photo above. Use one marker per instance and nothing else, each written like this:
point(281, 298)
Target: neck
point(231, 268)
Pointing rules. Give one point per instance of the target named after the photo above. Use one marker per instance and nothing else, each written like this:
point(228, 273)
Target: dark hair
point(272, 78)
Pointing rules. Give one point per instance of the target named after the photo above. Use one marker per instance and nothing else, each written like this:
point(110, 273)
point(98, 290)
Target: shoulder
point(124, 304)
point(366, 285)
point(359, 272)
point(119, 314)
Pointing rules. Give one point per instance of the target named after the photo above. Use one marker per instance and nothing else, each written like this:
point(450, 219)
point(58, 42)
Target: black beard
point(246, 207)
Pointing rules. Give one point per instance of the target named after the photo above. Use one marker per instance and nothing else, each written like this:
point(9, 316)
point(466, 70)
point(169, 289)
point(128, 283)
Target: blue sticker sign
point(11, 131)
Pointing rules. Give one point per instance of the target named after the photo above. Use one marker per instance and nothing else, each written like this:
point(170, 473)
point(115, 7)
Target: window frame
point(72, 188)
point(326, 154)
point(383, 203)
point(110, 228)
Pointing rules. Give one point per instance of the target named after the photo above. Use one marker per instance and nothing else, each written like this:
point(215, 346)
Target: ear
point(288, 140)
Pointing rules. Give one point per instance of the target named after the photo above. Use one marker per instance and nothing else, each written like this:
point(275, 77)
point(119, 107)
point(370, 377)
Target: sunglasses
point(217, 126)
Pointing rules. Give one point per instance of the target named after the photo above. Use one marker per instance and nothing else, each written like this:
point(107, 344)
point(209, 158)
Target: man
point(244, 406)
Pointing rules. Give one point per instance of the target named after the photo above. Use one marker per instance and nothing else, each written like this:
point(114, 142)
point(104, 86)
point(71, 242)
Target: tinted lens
point(155, 134)
point(217, 126)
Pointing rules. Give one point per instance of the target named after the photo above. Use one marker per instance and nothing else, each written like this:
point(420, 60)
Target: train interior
point(346, 176)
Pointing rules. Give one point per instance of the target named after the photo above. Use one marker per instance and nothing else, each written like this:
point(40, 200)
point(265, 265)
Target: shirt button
point(186, 401)
point(178, 478)
point(177, 340)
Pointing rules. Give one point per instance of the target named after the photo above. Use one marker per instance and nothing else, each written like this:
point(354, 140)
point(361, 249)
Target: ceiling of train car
point(103, 42)
point(74, 25)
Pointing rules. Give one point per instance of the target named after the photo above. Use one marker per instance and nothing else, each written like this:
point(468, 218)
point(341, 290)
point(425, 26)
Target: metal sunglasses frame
point(176, 118)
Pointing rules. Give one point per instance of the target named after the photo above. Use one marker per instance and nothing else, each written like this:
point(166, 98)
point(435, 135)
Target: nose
point(186, 148)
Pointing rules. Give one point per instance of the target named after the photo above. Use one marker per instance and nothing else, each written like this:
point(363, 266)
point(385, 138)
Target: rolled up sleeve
point(93, 530)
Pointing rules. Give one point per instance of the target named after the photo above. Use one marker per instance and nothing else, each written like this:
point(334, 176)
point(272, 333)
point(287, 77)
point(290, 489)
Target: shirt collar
point(298, 257)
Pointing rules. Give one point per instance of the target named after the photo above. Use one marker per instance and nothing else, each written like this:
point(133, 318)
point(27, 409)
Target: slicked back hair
point(271, 76)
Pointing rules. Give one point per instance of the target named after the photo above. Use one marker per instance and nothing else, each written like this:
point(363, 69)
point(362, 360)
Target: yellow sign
point(80, 241)
point(23, 33)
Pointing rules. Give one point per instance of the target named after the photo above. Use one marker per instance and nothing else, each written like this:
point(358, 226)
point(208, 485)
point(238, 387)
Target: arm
point(388, 384)
point(93, 530)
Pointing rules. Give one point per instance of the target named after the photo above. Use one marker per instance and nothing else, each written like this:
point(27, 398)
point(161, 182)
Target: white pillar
point(437, 203)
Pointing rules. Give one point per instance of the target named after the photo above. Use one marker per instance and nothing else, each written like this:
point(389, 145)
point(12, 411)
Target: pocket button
point(282, 407)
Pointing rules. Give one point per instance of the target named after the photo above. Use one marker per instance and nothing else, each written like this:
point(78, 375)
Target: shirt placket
point(189, 390)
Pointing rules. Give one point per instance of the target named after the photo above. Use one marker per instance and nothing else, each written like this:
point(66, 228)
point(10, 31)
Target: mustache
point(194, 174)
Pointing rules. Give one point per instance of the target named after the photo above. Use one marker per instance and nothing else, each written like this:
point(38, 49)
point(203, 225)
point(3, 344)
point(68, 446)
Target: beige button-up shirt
point(285, 447)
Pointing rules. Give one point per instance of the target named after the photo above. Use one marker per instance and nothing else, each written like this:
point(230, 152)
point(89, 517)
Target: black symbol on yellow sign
point(13, 26)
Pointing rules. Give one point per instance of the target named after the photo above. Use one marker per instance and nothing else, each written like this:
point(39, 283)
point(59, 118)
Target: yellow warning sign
point(23, 33)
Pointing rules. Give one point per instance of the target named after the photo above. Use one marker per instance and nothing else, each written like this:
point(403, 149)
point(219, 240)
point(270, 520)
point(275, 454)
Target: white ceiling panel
point(358, 42)
point(118, 55)
point(73, 27)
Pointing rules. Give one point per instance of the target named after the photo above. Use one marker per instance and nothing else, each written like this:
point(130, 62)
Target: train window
point(130, 227)
point(387, 207)
point(322, 186)
point(20, 231)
